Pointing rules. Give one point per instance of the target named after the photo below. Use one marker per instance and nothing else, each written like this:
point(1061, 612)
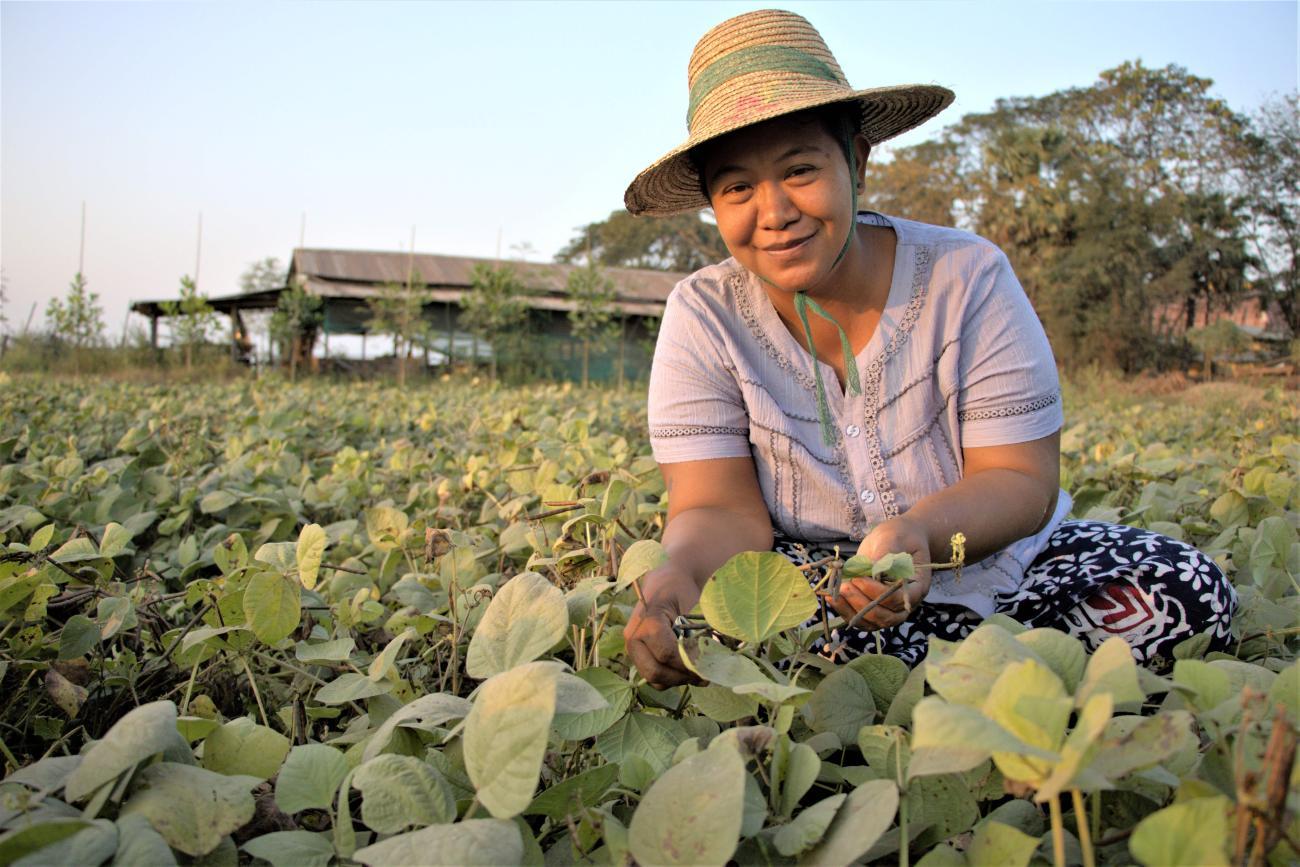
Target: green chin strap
point(801, 304)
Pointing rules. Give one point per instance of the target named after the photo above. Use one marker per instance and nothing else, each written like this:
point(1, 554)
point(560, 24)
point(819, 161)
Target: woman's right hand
point(649, 635)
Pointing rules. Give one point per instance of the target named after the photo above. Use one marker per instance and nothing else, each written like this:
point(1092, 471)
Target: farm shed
point(346, 280)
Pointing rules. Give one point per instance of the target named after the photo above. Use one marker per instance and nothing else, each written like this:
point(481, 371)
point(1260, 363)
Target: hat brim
point(670, 186)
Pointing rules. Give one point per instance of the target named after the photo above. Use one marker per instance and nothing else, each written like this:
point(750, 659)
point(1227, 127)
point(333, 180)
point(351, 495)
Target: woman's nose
point(775, 209)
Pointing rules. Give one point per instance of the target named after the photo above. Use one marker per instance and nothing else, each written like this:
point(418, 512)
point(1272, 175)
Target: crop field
point(313, 623)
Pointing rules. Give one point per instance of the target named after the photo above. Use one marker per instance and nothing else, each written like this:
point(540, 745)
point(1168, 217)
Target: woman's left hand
point(898, 535)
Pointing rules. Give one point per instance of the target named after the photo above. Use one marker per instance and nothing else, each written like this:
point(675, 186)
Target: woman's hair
point(841, 121)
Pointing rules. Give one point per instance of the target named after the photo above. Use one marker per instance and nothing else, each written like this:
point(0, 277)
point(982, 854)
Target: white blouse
point(959, 359)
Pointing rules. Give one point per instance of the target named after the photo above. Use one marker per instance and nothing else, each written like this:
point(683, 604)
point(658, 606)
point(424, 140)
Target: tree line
point(1124, 207)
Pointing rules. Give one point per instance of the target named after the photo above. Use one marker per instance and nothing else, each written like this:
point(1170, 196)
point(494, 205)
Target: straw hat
point(755, 67)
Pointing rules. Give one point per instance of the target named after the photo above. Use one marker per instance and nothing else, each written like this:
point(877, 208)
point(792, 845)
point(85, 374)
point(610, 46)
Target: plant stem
point(1095, 816)
point(903, 843)
point(257, 695)
point(1081, 823)
point(189, 688)
point(1058, 831)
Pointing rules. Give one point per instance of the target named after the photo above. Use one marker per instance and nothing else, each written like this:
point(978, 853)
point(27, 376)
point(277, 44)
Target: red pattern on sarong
point(1118, 608)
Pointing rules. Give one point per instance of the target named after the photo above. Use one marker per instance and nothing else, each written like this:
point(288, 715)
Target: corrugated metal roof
point(455, 272)
point(361, 274)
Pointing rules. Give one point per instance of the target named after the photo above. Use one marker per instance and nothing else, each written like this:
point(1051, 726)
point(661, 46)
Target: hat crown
point(754, 60)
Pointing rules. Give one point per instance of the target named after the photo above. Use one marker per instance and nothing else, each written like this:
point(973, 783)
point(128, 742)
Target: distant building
point(346, 279)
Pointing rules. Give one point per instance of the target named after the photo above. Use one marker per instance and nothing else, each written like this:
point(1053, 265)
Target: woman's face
point(781, 192)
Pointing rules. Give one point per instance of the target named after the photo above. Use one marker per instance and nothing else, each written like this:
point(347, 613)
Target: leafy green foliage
point(348, 622)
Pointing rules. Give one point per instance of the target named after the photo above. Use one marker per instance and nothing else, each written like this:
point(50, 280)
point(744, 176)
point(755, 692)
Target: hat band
point(757, 58)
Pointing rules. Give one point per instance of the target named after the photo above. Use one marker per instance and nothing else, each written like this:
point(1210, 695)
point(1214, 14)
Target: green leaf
point(50, 773)
point(616, 693)
point(885, 675)
point(309, 778)
point(996, 843)
point(1064, 654)
point(1131, 743)
point(33, 838)
point(141, 733)
point(950, 738)
point(1285, 691)
point(139, 843)
point(1072, 771)
point(755, 595)
point(292, 849)
point(721, 666)
point(217, 501)
point(272, 606)
point(93, 844)
point(78, 637)
point(801, 769)
point(842, 703)
point(241, 746)
point(575, 793)
point(400, 791)
point(505, 736)
point(525, 619)
point(280, 556)
point(76, 550)
point(115, 540)
point(310, 551)
point(470, 843)
point(691, 814)
point(386, 527)
point(860, 822)
point(427, 712)
point(964, 673)
point(808, 827)
point(775, 693)
point(192, 808)
point(386, 661)
point(41, 538)
point(1111, 669)
point(337, 650)
point(640, 557)
point(1187, 834)
point(720, 704)
point(350, 686)
point(114, 614)
point(574, 696)
point(652, 738)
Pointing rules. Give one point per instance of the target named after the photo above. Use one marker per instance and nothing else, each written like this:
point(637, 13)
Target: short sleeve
point(1010, 391)
point(695, 409)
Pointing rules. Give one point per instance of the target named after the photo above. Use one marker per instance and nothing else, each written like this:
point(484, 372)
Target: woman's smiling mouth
point(788, 249)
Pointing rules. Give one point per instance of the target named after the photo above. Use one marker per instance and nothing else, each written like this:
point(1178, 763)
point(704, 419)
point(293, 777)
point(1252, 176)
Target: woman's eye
point(801, 170)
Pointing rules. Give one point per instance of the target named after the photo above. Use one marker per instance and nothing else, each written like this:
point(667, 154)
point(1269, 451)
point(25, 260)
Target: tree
point(1112, 202)
point(495, 310)
point(191, 319)
point(1218, 341)
point(593, 295)
point(399, 310)
point(76, 319)
point(682, 243)
point(1268, 168)
point(297, 316)
point(262, 275)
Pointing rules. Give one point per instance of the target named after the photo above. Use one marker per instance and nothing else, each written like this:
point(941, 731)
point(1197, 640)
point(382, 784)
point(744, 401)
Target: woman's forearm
point(992, 508)
point(698, 541)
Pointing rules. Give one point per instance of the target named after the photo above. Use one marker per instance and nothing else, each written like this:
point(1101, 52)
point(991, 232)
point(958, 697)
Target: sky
point(488, 128)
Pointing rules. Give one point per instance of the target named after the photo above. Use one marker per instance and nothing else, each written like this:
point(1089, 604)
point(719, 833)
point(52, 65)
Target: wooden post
point(153, 331)
point(451, 338)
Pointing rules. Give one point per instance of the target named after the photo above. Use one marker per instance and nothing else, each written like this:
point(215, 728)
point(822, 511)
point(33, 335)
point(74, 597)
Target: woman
point(869, 381)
